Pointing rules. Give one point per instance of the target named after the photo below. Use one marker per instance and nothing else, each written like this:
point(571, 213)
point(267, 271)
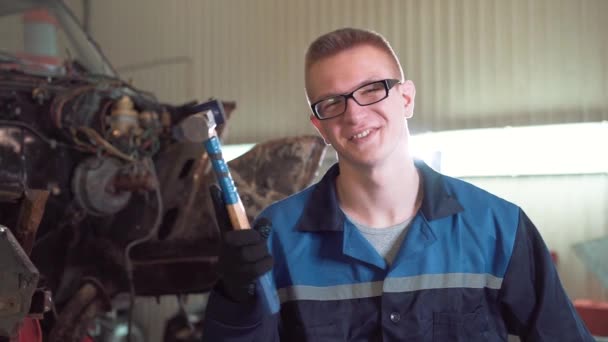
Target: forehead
point(347, 70)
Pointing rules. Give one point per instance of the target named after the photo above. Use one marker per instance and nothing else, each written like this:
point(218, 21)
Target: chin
point(362, 161)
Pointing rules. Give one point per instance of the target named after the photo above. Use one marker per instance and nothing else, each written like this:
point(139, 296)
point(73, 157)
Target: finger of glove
point(247, 272)
point(219, 207)
point(241, 237)
point(234, 259)
point(253, 253)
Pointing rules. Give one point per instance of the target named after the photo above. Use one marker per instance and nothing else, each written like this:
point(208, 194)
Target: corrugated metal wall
point(476, 63)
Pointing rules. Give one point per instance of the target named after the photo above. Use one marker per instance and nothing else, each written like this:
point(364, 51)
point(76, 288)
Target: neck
point(380, 196)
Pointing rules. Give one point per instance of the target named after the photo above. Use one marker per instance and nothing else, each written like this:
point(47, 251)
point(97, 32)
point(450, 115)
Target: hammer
point(208, 116)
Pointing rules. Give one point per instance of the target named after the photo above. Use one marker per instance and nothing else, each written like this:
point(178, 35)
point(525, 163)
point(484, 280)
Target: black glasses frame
point(388, 85)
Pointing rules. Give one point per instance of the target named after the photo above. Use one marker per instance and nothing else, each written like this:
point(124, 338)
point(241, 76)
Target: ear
point(317, 123)
point(408, 92)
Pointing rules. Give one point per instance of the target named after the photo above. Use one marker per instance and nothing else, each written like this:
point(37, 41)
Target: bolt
point(54, 188)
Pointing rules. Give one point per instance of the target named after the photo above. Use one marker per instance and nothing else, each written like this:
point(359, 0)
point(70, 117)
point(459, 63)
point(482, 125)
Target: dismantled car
point(100, 194)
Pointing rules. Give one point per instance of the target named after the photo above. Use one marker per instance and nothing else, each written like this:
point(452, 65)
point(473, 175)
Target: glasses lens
point(370, 93)
point(330, 107)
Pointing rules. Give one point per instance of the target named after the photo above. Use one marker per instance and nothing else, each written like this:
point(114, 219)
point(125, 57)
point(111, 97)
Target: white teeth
point(362, 134)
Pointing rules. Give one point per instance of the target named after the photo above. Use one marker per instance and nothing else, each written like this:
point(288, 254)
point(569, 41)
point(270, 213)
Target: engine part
point(40, 33)
point(150, 120)
point(124, 118)
point(140, 181)
point(19, 279)
point(93, 186)
point(32, 208)
point(78, 314)
point(52, 118)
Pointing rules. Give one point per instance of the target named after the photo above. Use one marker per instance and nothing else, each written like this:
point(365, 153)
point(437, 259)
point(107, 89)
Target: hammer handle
point(238, 217)
point(234, 206)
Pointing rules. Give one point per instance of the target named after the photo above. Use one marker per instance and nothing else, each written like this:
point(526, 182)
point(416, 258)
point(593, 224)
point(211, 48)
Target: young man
point(383, 248)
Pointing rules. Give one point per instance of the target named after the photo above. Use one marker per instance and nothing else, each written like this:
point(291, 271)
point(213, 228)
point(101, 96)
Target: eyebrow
point(367, 80)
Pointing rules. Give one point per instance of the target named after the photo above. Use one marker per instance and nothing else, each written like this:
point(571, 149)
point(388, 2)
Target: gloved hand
point(244, 255)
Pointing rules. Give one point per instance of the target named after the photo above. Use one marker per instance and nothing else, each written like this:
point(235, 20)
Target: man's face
point(363, 135)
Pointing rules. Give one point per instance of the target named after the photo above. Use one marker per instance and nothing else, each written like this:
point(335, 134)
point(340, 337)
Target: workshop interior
point(107, 229)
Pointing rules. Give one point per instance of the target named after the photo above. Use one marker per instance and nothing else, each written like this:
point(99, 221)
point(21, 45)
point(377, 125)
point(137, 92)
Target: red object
point(594, 314)
point(30, 331)
point(40, 59)
point(40, 16)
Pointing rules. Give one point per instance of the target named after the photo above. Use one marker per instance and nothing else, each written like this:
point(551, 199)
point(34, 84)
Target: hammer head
point(201, 125)
point(216, 108)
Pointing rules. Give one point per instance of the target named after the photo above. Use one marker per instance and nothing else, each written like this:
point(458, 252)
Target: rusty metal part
point(275, 169)
point(165, 120)
point(19, 280)
point(75, 317)
point(188, 202)
point(133, 182)
point(92, 183)
point(30, 215)
point(101, 291)
point(149, 120)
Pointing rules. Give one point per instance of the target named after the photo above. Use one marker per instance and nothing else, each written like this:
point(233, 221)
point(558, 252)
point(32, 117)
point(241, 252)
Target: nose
point(354, 111)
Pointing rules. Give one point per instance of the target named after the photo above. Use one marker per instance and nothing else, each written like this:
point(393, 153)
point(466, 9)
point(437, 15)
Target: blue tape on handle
point(214, 150)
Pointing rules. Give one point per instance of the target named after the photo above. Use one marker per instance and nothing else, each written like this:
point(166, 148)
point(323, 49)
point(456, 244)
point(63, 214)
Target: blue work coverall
point(472, 267)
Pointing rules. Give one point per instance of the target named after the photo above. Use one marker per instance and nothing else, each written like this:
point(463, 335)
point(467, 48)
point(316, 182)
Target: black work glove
point(244, 255)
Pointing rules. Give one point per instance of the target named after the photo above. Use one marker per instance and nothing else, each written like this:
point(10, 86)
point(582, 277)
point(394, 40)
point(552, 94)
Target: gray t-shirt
point(386, 241)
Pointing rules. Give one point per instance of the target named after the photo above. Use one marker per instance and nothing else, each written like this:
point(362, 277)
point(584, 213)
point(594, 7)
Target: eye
point(375, 86)
point(371, 88)
point(330, 103)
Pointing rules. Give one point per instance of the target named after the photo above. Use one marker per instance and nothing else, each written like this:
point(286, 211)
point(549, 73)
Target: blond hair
point(332, 43)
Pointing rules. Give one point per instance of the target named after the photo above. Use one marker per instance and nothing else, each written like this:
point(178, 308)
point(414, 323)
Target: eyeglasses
point(365, 95)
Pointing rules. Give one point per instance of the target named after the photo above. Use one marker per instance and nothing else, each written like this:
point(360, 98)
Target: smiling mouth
point(361, 135)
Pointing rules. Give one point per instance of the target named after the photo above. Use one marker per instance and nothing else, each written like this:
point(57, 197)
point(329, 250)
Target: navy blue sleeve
point(534, 304)
point(228, 321)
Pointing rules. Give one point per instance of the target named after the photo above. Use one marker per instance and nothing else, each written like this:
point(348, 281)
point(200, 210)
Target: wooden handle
point(238, 216)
